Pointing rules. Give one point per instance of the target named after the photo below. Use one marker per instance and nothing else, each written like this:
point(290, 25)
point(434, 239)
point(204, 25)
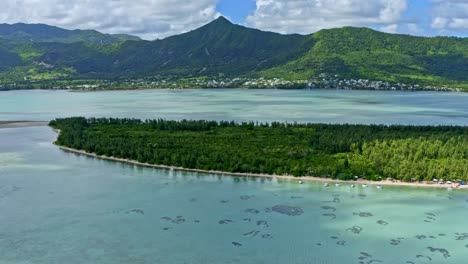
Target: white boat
point(449, 189)
point(326, 185)
point(380, 187)
point(364, 185)
point(301, 182)
point(352, 185)
point(449, 182)
point(337, 184)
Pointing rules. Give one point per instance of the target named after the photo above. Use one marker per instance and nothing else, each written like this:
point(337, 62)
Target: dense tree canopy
point(337, 151)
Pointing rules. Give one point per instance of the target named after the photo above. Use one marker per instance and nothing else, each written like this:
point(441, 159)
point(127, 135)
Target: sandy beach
point(16, 124)
point(284, 177)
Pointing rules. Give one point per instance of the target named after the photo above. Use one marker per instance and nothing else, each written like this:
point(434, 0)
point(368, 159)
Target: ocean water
point(324, 106)
point(58, 207)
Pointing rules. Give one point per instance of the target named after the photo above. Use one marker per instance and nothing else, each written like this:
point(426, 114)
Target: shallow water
point(324, 106)
point(58, 207)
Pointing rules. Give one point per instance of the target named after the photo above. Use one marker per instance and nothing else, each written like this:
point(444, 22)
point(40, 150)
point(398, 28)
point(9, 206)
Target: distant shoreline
point(84, 90)
point(283, 177)
point(17, 124)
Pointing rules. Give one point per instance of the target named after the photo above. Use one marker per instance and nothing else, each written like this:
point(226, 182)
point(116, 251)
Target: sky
point(155, 19)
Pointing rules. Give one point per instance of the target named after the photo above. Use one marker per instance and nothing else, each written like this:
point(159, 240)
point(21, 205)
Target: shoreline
point(18, 124)
point(81, 90)
point(239, 174)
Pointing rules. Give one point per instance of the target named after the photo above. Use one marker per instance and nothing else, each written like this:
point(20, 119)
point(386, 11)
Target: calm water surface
point(230, 104)
point(57, 207)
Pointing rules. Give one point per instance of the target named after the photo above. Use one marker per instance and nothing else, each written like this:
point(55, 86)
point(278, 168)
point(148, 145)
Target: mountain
point(366, 53)
point(221, 48)
point(44, 33)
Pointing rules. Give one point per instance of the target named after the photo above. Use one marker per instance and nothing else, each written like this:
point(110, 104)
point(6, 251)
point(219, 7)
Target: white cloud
point(392, 28)
point(450, 16)
point(307, 16)
point(147, 18)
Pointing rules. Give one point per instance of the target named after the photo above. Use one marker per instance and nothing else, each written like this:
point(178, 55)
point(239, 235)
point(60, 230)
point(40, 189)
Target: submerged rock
point(461, 236)
point(178, 220)
point(296, 197)
point(382, 222)
point(329, 208)
point(443, 251)
point(136, 211)
point(333, 216)
point(252, 211)
point(262, 223)
point(422, 256)
point(247, 197)
point(355, 229)
point(363, 214)
point(224, 222)
point(252, 233)
point(287, 210)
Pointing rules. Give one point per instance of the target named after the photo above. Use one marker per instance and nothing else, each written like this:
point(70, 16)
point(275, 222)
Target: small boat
point(301, 182)
point(337, 184)
point(449, 189)
point(364, 185)
point(326, 185)
point(352, 185)
point(380, 187)
point(449, 182)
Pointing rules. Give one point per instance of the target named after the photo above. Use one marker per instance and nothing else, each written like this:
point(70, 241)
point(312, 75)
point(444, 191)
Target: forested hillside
point(222, 49)
point(44, 33)
point(337, 151)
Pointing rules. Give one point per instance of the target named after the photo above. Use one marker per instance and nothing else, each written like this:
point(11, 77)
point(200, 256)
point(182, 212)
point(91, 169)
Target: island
point(330, 151)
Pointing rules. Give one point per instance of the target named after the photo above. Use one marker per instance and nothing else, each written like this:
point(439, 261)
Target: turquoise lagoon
point(323, 106)
point(58, 207)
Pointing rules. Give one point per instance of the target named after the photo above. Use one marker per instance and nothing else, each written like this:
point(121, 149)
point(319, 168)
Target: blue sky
point(236, 10)
point(414, 16)
point(152, 19)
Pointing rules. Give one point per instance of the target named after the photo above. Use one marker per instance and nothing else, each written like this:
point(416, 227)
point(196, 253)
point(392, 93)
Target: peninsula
point(341, 152)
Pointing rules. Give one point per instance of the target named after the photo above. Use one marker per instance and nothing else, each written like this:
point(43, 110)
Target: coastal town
point(321, 82)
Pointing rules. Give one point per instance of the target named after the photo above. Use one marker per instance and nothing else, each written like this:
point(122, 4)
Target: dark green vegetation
point(20, 32)
point(222, 49)
point(336, 151)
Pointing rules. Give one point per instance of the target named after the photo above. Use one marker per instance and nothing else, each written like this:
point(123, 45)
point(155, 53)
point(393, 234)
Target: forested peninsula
point(373, 152)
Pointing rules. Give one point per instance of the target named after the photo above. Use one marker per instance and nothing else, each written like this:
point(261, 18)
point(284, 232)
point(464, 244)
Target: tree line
point(408, 153)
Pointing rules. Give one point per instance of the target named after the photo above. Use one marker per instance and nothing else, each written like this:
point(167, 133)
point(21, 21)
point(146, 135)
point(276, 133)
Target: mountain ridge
point(22, 32)
point(223, 49)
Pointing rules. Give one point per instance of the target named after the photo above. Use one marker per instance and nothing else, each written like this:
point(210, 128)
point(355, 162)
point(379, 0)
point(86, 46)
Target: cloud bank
point(149, 19)
point(450, 16)
point(306, 16)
